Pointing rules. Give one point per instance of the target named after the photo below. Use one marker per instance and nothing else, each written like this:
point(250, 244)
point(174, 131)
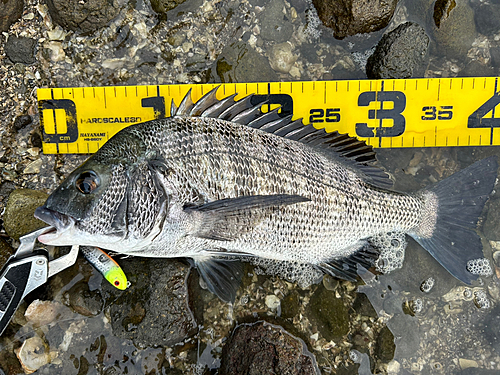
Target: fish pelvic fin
point(222, 276)
point(451, 212)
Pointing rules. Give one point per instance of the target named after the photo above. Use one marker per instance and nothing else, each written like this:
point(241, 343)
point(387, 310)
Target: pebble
point(272, 301)
point(281, 57)
point(467, 363)
point(33, 167)
point(41, 313)
point(33, 354)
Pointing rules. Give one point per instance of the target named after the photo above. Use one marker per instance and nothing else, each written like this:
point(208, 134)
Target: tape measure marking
point(383, 113)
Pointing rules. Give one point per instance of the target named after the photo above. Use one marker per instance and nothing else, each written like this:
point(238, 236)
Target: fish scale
point(255, 186)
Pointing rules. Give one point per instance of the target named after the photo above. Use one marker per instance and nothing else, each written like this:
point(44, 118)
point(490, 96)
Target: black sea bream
point(220, 180)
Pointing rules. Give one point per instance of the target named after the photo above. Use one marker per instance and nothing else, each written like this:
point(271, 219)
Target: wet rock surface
point(20, 49)
point(262, 348)
point(86, 16)
point(400, 53)
point(396, 327)
point(21, 205)
point(454, 29)
point(10, 11)
point(154, 310)
point(350, 17)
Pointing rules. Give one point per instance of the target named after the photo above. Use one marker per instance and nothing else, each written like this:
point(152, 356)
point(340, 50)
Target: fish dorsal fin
point(351, 150)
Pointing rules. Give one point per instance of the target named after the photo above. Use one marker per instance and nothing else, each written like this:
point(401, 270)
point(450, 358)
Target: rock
point(163, 6)
point(476, 69)
point(281, 57)
point(262, 348)
point(467, 363)
point(492, 328)
point(10, 11)
point(351, 17)
point(240, 63)
point(18, 217)
point(400, 53)
point(84, 16)
point(41, 313)
point(33, 354)
point(84, 301)
point(5, 251)
point(329, 314)
point(290, 305)
point(276, 26)
point(486, 17)
point(20, 49)
point(154, 310)
point(21, 122)
point(385, 347)
point(454, 27)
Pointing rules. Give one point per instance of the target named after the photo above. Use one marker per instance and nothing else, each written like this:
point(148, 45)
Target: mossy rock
point(21, 205)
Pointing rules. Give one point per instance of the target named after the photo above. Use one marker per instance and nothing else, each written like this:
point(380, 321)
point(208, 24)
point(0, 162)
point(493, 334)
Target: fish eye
point(87, 182)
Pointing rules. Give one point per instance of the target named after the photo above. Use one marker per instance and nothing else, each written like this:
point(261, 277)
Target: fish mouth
point(61, 223)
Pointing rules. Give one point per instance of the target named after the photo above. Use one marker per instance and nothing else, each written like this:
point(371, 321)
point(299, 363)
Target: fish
point(223, 181)
point(106, 265)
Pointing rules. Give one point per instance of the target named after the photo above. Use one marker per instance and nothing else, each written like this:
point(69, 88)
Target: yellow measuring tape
point(385, 113)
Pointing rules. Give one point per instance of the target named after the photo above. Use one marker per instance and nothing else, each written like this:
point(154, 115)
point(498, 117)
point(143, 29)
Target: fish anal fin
point(347, 268)
point(222, 276)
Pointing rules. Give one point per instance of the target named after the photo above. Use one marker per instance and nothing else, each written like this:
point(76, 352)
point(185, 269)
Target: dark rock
point(476, 69)
point(400, 53)
point(239, 62)
point(20, 49)
point(454, 27)
point(84, 16)
point(385, 347)
point(163, 6)
point(154, 309)
point(262, 348)
point(36, 140)
point(21, 122)
point(275, 26)
point(351, 17)
point(487, 16)
point(329, 313)
point(21, 205)
point(5, 251)
point(10, 11)
point(491, 227)
point(363, 306)
point(492, 328)
point(290, 305)
point(83, 301)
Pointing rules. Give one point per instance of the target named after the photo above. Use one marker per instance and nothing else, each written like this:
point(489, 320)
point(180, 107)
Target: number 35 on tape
point(384, 113)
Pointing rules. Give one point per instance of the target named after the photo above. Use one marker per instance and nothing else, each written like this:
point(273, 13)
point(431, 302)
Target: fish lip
point(59, 221)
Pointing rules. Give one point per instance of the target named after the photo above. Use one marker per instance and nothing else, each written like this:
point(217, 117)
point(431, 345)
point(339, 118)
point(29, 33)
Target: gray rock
point(5, 251)
point(454, 27)
point(239, 62)
point(351, 17)
point(487, 16)
point(20, 49)
point(10, 11)
point(84, 301)
point(275, 25)
point(329, 313)
point(84, 16)
point(21, 205)
point(154, 309)
point(476, 69)
point(163, 6)
point(400, 53)
point(262, 348)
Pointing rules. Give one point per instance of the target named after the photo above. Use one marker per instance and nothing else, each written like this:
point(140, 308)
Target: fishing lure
point(106, 266)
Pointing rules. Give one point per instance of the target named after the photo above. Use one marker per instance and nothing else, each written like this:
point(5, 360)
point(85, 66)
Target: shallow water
point(389, 324)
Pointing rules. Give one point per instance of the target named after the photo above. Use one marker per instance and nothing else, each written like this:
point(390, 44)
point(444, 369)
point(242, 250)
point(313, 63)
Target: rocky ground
point(166, 323)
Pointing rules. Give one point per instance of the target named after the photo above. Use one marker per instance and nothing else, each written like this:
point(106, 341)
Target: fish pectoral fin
point(222, 276)
point(228, 219)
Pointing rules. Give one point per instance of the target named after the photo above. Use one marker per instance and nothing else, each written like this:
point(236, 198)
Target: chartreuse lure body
point(106, 266)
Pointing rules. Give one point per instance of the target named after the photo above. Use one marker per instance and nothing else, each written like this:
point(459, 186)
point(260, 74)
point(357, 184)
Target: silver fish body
point(202, 187)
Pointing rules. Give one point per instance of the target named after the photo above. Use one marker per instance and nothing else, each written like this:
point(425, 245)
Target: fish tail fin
point(452, 211)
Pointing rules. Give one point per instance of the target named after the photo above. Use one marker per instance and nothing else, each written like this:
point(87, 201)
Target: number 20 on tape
point(384, 113)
